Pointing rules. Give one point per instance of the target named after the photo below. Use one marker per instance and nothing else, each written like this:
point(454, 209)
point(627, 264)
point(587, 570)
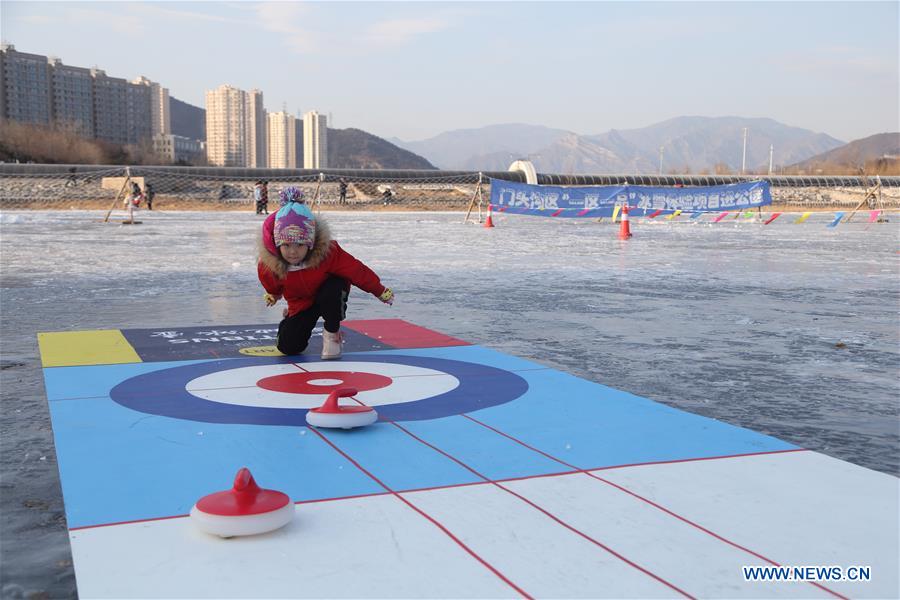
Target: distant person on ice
point(136, 194)
point(261, 194)
point(149, 194)
point(388, 195)
point(133, 200)
point(300, 261)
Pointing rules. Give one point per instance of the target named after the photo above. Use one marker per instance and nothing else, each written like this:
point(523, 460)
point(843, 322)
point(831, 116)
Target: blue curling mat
point(133, 444)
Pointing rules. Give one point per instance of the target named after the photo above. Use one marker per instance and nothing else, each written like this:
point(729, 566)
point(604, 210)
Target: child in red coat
point(299, 261)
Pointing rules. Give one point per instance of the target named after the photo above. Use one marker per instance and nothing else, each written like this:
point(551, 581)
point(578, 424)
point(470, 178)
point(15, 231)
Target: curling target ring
point(185, 392)
point(319, 383)
point(274, 386)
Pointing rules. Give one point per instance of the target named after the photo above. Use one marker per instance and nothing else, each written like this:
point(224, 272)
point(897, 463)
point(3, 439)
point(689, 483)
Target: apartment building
point(236, 128)
point(226, 127)
point(110, 107)
point(26, 95)
point(138, 113)
point(160, 117)
point(315, 140)
point(177, 148)
point(43, 91)
point(298, 133)
point(256, 130)
point(73, 97)
point(282, 141)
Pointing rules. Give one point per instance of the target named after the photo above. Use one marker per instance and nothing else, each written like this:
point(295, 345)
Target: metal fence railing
point(93, 186)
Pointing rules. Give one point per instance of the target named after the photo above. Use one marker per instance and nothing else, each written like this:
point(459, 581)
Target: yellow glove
point(387, 296)
point(270, 299)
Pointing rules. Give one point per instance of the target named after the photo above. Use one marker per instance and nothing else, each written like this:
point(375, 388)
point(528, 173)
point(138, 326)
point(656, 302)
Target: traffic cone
point(625, 229)
point(489, 222)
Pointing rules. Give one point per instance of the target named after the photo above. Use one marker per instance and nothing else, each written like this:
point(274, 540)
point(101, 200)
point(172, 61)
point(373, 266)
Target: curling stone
point(333, 415)
point(246, 509)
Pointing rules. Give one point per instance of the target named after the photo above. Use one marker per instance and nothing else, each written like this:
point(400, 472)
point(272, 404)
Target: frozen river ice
point(790, 330)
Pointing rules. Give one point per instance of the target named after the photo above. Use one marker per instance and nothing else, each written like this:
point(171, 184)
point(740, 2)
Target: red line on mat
point(98, 525)
point(434, 521)
point(654, 504)
point(574, 469)
point(546, 512)
point(349, 497)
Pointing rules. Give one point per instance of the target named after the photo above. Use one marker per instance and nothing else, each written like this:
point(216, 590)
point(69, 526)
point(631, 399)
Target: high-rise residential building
point(73, 97)
point(282, 141)
point(160, 117)
point(138, 113)
point(41, 90)
point(26, 94)
point(315, 141)
point(298, 128)
point(257, 139)
point(235, 122)
point(226, 127)
point(110, 107)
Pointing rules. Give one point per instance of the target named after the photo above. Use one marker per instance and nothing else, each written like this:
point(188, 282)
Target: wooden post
point(476, 195)
point(124, 185)
point(316, 193)
point(870, 193)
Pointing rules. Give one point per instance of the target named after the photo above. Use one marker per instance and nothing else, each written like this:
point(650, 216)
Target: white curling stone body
point(341, 420)
point(232, 526)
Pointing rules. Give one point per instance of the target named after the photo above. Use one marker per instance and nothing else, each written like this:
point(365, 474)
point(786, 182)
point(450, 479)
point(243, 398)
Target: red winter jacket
point(326, 258)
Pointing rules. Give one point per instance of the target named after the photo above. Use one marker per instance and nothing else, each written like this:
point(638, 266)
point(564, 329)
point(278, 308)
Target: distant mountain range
point(690, 144)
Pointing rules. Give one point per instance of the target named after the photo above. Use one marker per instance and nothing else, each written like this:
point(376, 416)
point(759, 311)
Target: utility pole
point(744, 156)
point(771, 156)
point(660, 159)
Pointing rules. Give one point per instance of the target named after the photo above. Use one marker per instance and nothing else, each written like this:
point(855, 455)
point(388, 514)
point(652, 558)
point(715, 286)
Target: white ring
point(238, 386)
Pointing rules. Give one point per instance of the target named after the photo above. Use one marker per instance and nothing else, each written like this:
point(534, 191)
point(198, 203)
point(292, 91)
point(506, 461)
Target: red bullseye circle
point(304, 383)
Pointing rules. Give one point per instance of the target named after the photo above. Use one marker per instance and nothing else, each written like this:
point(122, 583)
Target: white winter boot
point(331, 345)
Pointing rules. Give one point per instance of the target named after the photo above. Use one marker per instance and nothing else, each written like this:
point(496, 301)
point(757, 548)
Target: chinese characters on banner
point(559, 201)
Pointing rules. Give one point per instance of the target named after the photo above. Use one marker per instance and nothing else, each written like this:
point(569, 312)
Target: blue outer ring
point(163, 392)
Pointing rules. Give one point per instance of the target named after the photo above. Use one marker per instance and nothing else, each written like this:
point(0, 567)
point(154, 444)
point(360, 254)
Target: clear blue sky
point(416, 69)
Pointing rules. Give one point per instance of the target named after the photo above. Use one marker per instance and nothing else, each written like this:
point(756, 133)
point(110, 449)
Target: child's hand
point(270, 299)
point(387, 296)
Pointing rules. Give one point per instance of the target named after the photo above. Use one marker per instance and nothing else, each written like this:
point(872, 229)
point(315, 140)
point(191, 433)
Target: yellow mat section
point(77, 348)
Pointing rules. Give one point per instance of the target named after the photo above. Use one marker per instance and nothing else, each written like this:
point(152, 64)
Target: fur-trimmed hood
point(313, 259)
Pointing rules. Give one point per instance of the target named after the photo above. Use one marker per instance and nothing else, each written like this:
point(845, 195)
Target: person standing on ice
point(298, 260)
point(133, 200)
point(149, 194)
point(261, 196)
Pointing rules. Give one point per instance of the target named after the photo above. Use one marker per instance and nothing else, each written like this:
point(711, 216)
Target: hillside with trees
point(877, 154)
point(356, 149)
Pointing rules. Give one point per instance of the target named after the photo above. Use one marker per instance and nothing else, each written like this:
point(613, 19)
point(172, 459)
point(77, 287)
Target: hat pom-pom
point(291, 194)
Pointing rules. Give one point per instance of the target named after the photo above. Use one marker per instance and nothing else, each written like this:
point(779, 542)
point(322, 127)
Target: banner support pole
point(476, 195)
point(116, 200)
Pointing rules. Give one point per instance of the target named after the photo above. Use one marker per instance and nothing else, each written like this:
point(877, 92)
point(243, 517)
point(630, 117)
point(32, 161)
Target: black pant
point(330, 304)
